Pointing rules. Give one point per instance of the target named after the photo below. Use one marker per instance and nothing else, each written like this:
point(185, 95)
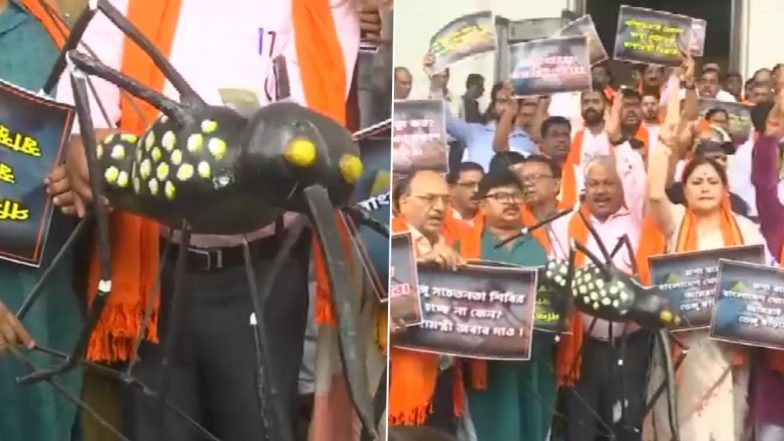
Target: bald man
point(403, 82)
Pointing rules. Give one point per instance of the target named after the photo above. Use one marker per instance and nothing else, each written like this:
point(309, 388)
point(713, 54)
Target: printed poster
point(463, 37)
point(740, 125)
point(584, 26)
point(651, 37)
point(404, 304)
point(699, 27)
point(749, 305)
point(543, 67)
point(373, 193)
point(33, 133)
point(419, 136)
point(478, 311)
point(689, 280)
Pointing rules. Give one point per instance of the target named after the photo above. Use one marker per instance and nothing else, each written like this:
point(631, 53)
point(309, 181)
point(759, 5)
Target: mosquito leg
point(72, 41)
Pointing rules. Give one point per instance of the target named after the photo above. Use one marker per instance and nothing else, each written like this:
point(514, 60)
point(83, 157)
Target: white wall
point(762, 47)
point(417, 20)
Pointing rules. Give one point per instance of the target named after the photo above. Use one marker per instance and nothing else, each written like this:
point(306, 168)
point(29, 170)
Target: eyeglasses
point(507, 198)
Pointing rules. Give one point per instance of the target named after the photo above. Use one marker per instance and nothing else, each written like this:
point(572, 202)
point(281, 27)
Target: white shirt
point(218, 47)
point(739, 175)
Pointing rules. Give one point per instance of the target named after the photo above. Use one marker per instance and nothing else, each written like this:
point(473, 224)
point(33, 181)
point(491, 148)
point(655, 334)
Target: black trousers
point(604, 385)
point(213, 368)
point(443, 416)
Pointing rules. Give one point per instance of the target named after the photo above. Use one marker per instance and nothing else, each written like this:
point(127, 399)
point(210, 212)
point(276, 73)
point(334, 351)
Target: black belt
point(213, 259)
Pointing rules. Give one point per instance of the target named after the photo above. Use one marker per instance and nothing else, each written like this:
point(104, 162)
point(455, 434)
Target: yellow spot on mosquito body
point(139, 153)
point(111, 174)
point(149, 141)
point(99, 151)
point(204, 169)
point(145, 169)
point(168, 140)
point(176, 157)
point(350, 168)
point(109, 139)
point(128, 137)
point(300, 152)
point(162, 172)
point(163, 119)
point(195, 143)
point(169, 189)
point(665, 316)
point(217, 147)
point(118, 152)
point(137, 185)
point(153, 186)
point(122, 179)
point(157, 154)
point(185, 172)
point(209, 126)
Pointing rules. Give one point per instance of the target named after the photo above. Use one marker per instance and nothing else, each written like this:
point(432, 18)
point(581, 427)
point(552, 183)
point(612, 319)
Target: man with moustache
point(629, 121)
point(588, 359)
point(556, 136)
point(421, 385)
point(509, 400)
point(463, 184)
point(650, 115)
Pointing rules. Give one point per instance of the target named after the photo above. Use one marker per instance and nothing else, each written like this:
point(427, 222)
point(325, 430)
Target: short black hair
point(499, 177)
point(504, 160)
point(710, 70)
point(650, 91)
point(628, 92)
point(759, 116)
point(454, 174)
point(474, 78)
point(714, 111)
point(555, 121)
point(733, 75)
point(555, 169)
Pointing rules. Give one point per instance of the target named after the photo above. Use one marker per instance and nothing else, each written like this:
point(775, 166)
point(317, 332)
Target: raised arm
point(505, 124)
point(660, 162)
point(455, 127)
point(691, 102)
point(765, 178)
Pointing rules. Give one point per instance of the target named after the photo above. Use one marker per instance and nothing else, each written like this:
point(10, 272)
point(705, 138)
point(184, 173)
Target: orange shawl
point(135, 241)
point(413, 375)
point(569, 180)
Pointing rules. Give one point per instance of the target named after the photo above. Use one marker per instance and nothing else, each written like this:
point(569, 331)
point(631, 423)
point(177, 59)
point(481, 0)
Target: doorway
point(719, 14)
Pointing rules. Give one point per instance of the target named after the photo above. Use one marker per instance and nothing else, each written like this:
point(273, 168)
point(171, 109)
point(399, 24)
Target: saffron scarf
point(413, 376)
point(51, 23)
point(569, 194)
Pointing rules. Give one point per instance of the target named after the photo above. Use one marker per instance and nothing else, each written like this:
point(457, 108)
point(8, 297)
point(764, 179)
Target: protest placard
point(651, 37)
point(739, 117)
point(699, 27)
point(419, 136)
point(33, 133)
point(543, 67)
point(584, 26)
point(405, 308)
point(689, 280)
point(463, 37)
point(373, 193)
point(476, 312)
point(749, 305)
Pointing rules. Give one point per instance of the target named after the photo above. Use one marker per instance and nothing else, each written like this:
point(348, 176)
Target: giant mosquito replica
point(250, 170)
point(600, 289)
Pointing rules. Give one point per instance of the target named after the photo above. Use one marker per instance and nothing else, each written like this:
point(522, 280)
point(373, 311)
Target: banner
point(689, 280)
point(584, 26)
point(699, 27)
point(543, 67)
point(33, 133)
point(463, 37)
point(477, 312)
point(651, 37)
point(740, 125)
point(749, 305)
point(373, 193)
point(419, 136)
point(405, 308)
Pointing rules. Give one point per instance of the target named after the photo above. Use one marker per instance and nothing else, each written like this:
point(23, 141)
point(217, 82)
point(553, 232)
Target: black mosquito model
point(207, 169)
point(603, 291)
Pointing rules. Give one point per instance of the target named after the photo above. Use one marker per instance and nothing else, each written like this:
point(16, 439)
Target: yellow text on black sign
point(19, 142)
point(13, 211)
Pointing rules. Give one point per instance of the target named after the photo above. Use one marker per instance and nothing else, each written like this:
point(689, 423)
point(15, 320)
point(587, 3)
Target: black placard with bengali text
point(419, 136)
point(553, 65)
point(463, 37)
point(33, 132)
point(481, 312)
point(749, 305)
point(689, 280)
point(651, 37)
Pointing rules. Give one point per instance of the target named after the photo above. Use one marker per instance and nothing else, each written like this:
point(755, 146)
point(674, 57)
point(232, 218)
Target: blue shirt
point(478, 139)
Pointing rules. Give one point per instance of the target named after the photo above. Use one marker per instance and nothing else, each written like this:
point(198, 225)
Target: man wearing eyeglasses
point(421, 385)
point(516, 403)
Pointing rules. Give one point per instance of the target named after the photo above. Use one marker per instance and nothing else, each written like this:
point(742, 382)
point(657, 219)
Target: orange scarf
point(135, 241)
point(454, 228)
point(53, 25)
point(568, 360)
point(413, 375)
point(569, 180)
